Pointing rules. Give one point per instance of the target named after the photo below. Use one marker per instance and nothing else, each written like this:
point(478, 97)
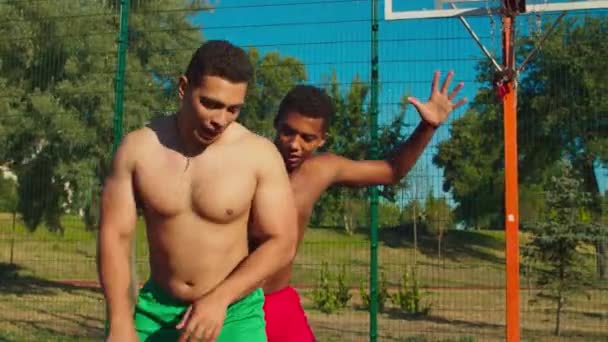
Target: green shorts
point(157, 313)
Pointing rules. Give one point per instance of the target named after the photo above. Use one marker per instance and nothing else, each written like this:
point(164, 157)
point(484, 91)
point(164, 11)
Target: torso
point(196, 210)
point(308, 182)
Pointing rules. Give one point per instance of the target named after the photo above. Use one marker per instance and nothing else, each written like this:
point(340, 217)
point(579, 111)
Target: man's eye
point(287, 131)
point(210, 104)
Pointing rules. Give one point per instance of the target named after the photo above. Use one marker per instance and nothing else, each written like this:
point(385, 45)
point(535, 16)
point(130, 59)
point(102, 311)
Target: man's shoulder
point(138, 138)
point(323, 165)
point(135, 144)
point(255, 143)
point(325, 159)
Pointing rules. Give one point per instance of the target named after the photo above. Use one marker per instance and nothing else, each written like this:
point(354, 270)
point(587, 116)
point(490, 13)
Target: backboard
point(407, 9)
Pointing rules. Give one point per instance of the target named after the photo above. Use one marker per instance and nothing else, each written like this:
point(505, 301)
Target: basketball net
point(531, 9)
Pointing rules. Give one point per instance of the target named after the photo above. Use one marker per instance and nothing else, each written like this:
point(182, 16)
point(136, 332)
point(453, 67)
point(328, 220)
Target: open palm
point(439, 105)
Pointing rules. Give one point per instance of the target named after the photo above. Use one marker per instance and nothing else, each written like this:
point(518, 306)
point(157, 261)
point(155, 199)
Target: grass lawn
point(465, 288)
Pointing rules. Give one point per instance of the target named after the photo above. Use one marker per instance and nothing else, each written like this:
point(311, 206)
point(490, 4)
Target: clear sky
point(335, 35)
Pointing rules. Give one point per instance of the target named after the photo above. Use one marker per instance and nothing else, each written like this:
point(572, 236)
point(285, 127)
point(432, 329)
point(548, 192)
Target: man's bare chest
point(307, 188)
point(215, 189)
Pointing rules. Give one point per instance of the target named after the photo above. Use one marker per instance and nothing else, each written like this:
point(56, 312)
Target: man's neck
point(187, 143)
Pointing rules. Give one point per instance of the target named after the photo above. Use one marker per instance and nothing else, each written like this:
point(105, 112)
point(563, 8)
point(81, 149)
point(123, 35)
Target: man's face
point(209, 107)
point(298, 136)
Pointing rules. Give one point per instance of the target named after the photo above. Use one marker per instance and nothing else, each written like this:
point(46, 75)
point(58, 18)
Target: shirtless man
point(301, 125)
point(197, 175)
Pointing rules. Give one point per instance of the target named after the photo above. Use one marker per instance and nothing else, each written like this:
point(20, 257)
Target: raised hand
point(439, 105)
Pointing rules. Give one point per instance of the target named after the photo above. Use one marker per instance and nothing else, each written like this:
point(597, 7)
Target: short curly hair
point(308, 101)
point(219, 58)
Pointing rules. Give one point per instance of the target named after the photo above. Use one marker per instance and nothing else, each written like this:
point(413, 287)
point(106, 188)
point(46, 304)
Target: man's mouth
point(207, 134)
point(293, 158)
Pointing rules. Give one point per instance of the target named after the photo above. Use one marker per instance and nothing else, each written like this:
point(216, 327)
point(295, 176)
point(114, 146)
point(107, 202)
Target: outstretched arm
point(390, 170)
point(117, 225)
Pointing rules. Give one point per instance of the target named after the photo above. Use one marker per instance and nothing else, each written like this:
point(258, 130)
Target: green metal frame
point(123, 42)
point(373, 194)
point(119, 86)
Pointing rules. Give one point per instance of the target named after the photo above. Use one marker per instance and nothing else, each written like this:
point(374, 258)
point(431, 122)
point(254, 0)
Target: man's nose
point(295, 144)
point(219, 120)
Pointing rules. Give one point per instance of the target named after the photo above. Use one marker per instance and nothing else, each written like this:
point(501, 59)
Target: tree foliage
point(557, 241)
point(560, 106)
point(437, 218)
point(348, 135)
point(57, 77)
point(273, 77)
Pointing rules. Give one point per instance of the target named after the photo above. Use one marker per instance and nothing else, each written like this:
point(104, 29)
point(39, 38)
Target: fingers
point(184, 320)
point(185, 335)
point(447, 81)
point(210, 334)
point(455, 91)
point(435, 81)
point(459, 103)
point(216, 333)
point(414, 101)
point(201, 334)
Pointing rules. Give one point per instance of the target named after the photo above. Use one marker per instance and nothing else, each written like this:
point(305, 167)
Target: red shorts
point(285, 317)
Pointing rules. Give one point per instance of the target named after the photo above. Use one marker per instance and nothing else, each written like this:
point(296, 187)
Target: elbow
point(291, 242)
point(392, 177)
point(290, 247)
point(395, 173)
point(292, 250)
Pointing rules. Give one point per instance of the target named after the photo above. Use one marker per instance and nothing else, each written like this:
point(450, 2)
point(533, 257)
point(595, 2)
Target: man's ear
point(182, 85)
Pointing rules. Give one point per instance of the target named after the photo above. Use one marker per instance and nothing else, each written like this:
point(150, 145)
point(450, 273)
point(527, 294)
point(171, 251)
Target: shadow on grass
point(547, 334)
point(15, 280)
point(394, 313)
point(43, 331)
point(33, 321)
point(455, 245)
point(324, 328)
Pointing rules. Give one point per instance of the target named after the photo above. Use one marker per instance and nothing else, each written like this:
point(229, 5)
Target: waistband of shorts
point(162, 296)
point(286, 291)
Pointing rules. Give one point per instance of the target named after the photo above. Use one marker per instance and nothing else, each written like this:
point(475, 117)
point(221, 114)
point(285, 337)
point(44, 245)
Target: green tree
point(438, 218)
point(60, 63)
point(561, 116)
point(8, 194)
point(472, 164)
point(563, 107)
point(556, 242)
point(57, 71)
point(348, 135)
point(273, 77)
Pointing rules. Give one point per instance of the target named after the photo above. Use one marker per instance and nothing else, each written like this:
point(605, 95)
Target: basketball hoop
point(504, 82)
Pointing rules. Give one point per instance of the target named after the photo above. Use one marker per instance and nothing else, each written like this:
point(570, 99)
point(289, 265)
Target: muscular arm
point(433, 112)
point(381, 172)
point(117, 225)
point(275, 215)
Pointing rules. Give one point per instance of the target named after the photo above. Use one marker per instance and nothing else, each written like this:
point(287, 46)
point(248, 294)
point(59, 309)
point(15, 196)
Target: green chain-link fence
point(440, 231)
